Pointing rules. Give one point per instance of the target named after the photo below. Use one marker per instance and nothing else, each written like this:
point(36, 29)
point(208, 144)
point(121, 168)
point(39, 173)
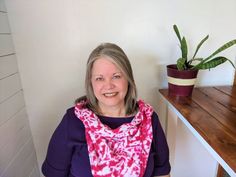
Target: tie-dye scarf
point(117, 152)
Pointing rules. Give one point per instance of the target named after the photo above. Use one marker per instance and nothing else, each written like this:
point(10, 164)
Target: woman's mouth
point(110, 94)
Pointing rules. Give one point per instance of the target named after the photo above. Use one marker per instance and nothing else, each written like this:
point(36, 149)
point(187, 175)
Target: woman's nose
point(109, 84)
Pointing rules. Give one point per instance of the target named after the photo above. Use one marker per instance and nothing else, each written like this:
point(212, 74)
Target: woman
point(108, 133)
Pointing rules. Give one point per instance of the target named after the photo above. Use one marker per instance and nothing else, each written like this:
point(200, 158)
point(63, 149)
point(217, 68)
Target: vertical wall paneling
point(17, 136)
point(22, 164)
point(4, 28)
point(17, 152)
point(11, 106)
point(2, 6)
point(8, 66)
point(6, 44)
point(9, 86)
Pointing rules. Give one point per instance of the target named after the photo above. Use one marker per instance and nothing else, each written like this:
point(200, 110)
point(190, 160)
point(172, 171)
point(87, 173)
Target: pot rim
point(174, 67)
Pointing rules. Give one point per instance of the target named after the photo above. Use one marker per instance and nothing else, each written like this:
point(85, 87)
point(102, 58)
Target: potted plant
point(182, 75)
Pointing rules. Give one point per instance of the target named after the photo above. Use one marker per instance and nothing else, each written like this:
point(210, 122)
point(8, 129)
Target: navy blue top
point(67, 154)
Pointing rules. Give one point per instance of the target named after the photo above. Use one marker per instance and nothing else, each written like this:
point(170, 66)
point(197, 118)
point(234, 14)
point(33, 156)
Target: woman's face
point(109, 84)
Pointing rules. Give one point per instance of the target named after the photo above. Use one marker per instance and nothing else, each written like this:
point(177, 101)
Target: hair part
point(119, 58)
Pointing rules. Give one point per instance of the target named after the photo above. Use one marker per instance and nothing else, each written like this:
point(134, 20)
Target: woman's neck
point(113, 111)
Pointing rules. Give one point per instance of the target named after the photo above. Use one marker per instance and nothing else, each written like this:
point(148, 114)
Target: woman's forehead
point(105, 63)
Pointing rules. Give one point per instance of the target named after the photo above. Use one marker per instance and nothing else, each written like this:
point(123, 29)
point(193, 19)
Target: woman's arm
point(160, 146)
point(58, 158)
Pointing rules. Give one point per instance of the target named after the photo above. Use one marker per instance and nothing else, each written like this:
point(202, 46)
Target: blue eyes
point(114, 77)
point(99, 79)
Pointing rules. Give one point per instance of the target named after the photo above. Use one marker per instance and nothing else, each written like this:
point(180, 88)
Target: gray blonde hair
point(119, 58)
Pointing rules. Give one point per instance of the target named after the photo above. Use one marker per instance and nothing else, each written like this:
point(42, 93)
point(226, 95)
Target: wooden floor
point(212, 112)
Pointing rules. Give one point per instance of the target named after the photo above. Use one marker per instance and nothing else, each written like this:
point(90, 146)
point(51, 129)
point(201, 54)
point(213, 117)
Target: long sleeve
point(161, 157)
point(58, 159)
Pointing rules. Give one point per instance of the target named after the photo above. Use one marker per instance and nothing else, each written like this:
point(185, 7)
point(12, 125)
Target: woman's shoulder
point(70, 112)
point(155, 119)
point(156, 124)
point(71, 117)
point(74, 125)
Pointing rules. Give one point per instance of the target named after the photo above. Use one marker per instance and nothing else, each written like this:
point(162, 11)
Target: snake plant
point(209, 62)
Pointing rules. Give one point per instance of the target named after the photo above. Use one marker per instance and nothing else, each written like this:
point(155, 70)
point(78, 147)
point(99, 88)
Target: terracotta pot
point(180, 83)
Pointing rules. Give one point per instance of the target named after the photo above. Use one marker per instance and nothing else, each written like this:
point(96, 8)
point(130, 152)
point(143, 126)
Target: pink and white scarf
point(117, 152)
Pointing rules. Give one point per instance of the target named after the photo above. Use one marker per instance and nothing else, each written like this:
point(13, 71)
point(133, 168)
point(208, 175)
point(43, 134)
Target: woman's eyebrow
point(117, 73)
point(97, 75)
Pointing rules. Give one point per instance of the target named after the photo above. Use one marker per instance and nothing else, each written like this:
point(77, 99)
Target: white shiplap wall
point(17, 153)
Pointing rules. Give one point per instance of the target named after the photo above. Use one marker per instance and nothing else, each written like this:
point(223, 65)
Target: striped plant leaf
point(181, 64)
point(200, 63)
point(199, 45)
point(196, 59)
point(177, 32)
point(213, 63)
point(222, 48)
point(189, 63)
point(184, 48)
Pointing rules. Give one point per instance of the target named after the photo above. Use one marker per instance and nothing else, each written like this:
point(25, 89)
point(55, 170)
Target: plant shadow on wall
point(183, 74)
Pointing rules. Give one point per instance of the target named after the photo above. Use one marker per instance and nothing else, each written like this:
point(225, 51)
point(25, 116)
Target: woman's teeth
point(110, 94)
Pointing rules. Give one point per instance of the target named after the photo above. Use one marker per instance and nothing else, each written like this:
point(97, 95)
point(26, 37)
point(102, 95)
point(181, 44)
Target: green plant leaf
point(199, 45)
point(181, 64)
point(194, 59)
point(184, 48)
point(222, 48)
point(177, 32)
point(213, 63)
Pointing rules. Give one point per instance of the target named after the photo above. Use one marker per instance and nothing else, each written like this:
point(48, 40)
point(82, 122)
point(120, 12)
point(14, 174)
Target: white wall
point(17, 152)
point(53, 39)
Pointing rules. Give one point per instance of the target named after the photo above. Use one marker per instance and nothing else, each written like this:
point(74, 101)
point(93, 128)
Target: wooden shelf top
point(211, 111)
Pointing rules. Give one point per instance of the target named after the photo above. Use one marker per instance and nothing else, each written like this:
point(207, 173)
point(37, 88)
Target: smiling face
point(109, 84)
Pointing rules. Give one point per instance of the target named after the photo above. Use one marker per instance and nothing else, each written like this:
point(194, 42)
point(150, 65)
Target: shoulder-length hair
point(119, 58)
